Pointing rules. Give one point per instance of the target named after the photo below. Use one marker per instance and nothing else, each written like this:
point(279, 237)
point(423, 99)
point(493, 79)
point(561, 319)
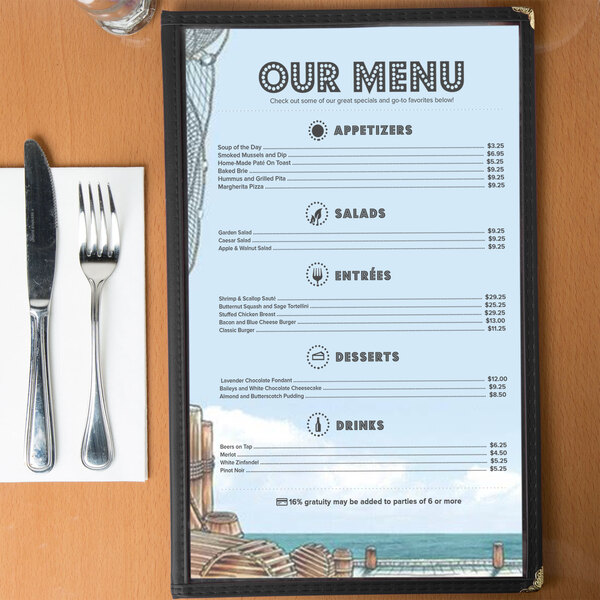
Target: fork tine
point(82, 223)
point(103, 242)
point(92, 245)
point(115, 238)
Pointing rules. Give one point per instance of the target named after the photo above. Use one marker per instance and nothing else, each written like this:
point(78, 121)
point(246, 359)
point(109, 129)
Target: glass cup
point(121, 17)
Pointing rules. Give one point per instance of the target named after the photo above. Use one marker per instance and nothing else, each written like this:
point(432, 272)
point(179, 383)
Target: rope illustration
point(202, 47)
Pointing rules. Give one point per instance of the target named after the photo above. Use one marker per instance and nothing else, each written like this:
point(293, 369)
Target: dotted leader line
point(321, 108)
point(355, 488)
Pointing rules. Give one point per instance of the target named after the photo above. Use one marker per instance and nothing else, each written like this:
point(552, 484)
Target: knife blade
point(40, 210)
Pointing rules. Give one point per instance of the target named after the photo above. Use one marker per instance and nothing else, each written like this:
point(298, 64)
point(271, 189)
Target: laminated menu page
point(352, 302)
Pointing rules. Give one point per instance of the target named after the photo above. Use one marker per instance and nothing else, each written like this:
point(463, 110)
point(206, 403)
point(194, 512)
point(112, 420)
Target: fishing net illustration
point(202, 47)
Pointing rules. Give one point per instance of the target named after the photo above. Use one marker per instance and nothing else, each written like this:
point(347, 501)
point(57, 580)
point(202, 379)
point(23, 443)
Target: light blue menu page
point(354, 303)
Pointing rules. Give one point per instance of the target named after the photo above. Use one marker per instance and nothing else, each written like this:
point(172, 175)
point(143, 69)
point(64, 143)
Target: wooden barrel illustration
point(214, 555)
point(343, 561)
point(223, 522)
point(313, 560)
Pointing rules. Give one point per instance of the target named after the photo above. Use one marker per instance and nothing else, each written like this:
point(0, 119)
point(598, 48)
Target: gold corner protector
point(538, 582)
point(526, 11)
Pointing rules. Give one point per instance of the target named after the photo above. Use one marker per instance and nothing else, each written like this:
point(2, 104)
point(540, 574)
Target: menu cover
point(353, 367)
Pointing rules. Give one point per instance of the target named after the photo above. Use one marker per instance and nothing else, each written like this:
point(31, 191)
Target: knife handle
point(39, 434)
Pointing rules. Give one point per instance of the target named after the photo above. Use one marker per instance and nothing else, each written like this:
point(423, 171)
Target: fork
point(98, 256)
point(317, 274)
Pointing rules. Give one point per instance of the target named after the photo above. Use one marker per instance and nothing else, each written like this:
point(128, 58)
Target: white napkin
point(122, 330)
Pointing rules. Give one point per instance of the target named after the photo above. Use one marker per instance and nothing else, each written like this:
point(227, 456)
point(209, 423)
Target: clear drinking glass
point(121, 17)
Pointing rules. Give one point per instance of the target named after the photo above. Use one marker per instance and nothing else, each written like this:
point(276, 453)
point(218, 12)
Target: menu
point(354, 301)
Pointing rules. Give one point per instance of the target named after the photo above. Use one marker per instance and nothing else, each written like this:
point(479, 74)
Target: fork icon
point(317, 274)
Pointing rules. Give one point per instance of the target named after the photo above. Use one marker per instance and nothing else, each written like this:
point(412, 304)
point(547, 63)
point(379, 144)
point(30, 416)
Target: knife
point(40, 209)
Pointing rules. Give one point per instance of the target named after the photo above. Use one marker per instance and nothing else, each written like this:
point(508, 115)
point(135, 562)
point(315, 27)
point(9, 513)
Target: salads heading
point(382, 76)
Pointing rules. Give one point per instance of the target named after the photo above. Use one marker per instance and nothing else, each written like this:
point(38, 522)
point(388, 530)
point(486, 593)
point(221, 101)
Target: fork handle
point(39, 432)
point(97, 447)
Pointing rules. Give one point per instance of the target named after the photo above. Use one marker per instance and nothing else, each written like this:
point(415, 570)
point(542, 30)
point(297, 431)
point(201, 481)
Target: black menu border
point(174, 25)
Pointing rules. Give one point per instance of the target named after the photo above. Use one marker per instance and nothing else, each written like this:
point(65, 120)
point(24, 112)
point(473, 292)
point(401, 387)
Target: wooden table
point(95, 99)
